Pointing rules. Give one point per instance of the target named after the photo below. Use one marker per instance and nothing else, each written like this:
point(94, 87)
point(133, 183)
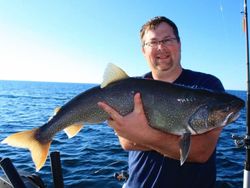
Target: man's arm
point(135, 134)
point(129, 145)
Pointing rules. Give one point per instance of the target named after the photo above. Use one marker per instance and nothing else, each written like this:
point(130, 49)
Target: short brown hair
point(154, 22)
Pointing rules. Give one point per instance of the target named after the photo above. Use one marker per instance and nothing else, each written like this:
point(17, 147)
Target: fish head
point(219, 111)
point(225, 110)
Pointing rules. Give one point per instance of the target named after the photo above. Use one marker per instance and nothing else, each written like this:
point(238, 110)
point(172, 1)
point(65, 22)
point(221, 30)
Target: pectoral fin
point(73, 130)
point(184, 147)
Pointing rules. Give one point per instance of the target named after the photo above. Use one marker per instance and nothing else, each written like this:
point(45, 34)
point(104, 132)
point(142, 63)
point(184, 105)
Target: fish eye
point(227, 109)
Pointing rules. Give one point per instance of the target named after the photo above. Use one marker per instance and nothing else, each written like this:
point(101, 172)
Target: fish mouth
point(236, 116)
point(231, 117)
point(236, 106)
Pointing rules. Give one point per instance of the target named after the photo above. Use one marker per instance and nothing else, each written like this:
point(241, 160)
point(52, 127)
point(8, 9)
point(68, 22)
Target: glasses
point(164, 42)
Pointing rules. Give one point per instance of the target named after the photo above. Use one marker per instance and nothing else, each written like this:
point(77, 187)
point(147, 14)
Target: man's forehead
point(159, 32)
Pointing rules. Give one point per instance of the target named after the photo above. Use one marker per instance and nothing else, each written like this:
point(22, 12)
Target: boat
point(15, 179)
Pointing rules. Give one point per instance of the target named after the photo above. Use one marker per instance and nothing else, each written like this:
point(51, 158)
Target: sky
point(74, 40)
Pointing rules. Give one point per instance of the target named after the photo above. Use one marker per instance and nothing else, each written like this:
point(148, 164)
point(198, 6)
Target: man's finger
point(138, 107)
point(112, 113)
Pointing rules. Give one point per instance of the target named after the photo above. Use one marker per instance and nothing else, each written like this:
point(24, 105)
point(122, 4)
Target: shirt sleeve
point(213, 83)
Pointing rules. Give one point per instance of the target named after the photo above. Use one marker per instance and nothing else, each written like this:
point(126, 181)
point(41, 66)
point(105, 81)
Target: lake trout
point(168, 107)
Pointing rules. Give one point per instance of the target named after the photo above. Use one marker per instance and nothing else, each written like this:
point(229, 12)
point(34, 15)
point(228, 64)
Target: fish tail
point(26, 139)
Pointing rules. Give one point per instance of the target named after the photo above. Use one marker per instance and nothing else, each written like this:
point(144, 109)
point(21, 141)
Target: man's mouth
point(162, 56)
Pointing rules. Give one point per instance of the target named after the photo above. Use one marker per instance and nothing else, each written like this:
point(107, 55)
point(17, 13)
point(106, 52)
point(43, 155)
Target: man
point(154, 155)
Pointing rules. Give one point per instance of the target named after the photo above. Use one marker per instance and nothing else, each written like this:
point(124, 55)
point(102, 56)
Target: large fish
point(170, 108)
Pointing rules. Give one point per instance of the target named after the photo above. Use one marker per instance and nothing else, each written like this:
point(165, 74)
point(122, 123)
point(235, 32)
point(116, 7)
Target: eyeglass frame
point(164, 42)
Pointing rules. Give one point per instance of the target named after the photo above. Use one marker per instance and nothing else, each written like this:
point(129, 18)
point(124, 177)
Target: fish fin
point(26, 139)
point(112, 73)
point(39, 153)
point(72, 130)
point(184, 147)
point(57, 109)
point(199, 118)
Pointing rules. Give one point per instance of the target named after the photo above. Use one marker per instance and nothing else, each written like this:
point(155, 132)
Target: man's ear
point(143, 50)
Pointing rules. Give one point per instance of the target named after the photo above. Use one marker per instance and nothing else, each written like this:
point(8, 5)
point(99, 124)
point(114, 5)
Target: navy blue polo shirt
point(150, 169)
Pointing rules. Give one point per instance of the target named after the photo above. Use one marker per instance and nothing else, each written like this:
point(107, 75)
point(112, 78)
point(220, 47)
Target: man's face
point(162, 57)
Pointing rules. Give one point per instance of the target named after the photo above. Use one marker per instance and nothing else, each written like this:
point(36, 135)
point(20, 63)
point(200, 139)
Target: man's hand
point(134, 126)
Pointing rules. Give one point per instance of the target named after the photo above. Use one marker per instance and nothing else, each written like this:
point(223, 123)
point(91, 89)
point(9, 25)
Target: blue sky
point(74, 40)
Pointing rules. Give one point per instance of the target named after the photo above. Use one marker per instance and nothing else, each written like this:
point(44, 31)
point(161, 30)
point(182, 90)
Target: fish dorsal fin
point(112, 73)
point(73, 130)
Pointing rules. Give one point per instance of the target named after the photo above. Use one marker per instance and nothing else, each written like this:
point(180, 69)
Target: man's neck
point(167, 76)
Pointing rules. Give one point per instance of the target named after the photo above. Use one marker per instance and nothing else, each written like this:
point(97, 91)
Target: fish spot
point(186, 100)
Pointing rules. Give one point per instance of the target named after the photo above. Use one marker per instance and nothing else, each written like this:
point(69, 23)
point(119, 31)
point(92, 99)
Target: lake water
point(91, 158)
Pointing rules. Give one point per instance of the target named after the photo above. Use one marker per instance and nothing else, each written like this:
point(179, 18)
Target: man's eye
point(153, 43)
point(165, 41)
